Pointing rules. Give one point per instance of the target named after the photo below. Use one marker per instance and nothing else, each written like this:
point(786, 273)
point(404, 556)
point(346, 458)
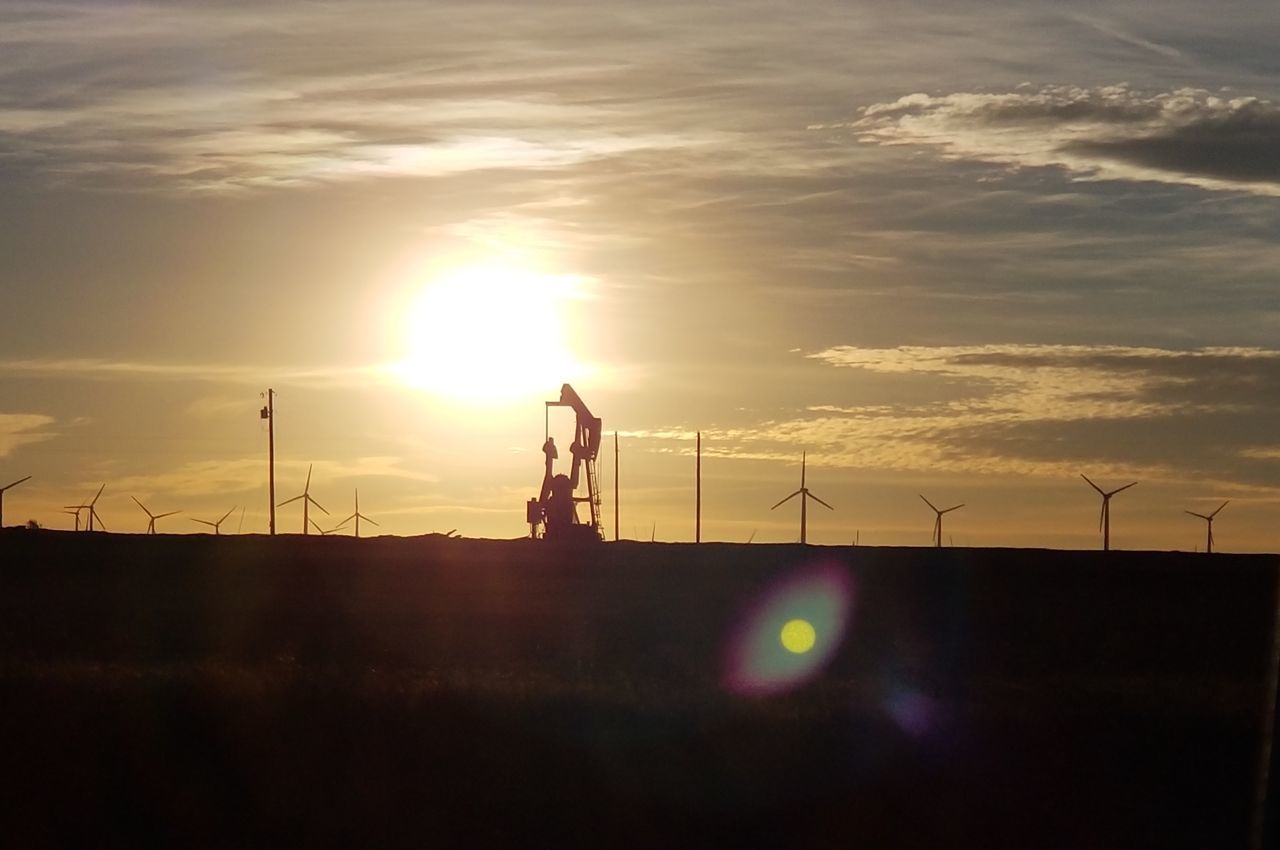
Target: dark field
point(199, 692)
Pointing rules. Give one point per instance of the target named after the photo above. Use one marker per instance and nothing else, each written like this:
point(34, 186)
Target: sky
point(964, 250)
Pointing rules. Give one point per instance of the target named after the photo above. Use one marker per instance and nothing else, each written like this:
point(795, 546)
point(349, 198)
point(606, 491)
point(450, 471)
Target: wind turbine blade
point(1220, 507)
point(347, 520)
point(927, 502)
point(202, 521)
point(307, 488)
point(1102, 515)
point(1193, 513)
point(98, 519)
point(317, 504)
point(316, 525)
point(819, 501)
point(1118, 489)
point(224, 516)
point(784, 501)
point(952, 508)
point(1091, 484)
point(288, 501)
point(100, 489)
point(366, 519)
point(169, 513)
point(14, 484)
point(144, 507)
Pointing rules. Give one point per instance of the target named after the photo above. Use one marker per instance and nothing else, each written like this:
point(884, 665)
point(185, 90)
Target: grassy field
point(193, 691)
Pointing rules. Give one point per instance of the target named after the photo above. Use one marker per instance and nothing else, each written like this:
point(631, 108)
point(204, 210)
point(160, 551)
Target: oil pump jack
point(554, 514)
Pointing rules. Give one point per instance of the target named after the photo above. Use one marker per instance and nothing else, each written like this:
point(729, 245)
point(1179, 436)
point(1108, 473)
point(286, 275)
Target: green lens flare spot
point(798, 636)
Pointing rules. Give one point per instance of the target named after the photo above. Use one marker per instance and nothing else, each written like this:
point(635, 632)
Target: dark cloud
point(1191, 136)
point(1238, 143)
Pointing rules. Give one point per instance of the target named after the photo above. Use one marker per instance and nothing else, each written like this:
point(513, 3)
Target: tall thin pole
point(615, 486)
point(697, 524)
point(270, 413)
point(1106, 524)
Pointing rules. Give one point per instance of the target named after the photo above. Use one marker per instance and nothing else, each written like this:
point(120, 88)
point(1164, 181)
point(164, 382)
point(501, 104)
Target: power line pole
point(269, 414)
point(697, 523)
point(615, 486)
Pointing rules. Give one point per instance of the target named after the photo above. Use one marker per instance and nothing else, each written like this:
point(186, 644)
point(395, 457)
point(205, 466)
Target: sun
point(489, 333)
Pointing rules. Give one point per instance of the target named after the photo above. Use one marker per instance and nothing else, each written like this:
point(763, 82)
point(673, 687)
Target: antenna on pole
point(697, 523)
point(269, 413)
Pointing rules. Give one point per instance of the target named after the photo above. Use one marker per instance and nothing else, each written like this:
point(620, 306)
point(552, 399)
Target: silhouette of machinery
point(554, 514)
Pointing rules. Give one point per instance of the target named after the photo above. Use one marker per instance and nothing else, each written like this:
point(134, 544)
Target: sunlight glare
point(489, 333)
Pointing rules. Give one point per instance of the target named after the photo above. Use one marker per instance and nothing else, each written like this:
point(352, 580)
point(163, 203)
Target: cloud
point(1187, 136)
point(1041, 410)
point(99, 369)
point(186, 97)
point(19, 429)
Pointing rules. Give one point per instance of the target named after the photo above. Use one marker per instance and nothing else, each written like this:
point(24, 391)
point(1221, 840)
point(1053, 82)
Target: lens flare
point(790, 633)
point(798, 636)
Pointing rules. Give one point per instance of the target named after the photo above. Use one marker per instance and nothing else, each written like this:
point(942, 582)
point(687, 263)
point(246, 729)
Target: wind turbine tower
point(937, 522)
point(1208, 541)
point(93, 511)
point(804, 495)
point(1104, 520)
point(357, 516)
point(216, 526)
point(307, 501)
point(151, 526)
point(8, 487)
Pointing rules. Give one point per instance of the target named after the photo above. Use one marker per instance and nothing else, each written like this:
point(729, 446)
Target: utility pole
point(269, 414)
point(615, 486)
point(697, 522)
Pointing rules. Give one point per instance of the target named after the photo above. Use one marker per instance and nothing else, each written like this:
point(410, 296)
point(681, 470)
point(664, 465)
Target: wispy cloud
point(201, 115)
point(1187, 136)
point(100, 369)
point(19, 429)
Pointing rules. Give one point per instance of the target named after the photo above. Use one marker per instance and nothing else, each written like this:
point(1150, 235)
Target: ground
point(192, 691)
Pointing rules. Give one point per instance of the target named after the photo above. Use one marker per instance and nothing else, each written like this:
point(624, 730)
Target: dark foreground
point(306, 692)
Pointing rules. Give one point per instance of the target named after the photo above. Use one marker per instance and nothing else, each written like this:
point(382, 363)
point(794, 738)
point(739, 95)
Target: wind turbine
point(804, 494)
point(93, 511)
point(151, 526)
point(76, 514)
point(937, 522)
point(333, 530)
point(307, 501)
point(357, 516)
point(214, 525)
point(7, 487)
point(1104, 520)
point(1208, 542)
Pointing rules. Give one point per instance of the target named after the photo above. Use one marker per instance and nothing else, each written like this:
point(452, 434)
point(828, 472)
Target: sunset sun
point(488, 333)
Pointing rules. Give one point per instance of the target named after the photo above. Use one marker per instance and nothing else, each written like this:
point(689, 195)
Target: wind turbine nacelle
point(264, 414)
